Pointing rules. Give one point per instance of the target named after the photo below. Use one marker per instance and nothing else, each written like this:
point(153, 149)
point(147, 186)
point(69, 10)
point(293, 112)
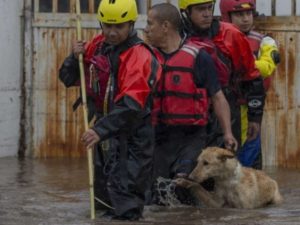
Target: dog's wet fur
point(235, 186)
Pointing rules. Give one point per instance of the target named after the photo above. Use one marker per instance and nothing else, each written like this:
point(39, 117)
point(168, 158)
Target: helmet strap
point(132, 26)
point(229, 16)
point(187, 22)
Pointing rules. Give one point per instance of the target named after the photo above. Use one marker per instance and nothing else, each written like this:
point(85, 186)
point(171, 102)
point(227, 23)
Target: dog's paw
point(182, 182)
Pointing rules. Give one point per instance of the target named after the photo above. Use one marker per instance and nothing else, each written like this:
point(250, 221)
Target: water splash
point(165, 189)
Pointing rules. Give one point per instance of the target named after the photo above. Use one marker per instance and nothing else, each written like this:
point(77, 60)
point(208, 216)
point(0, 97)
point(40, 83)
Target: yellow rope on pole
point(86, 125)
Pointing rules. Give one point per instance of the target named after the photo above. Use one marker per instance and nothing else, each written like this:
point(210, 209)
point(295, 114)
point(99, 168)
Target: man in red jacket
point(243, 80)
point(120, 71)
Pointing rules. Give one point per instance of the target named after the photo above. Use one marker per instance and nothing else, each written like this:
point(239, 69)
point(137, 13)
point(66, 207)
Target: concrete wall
point(10, 67)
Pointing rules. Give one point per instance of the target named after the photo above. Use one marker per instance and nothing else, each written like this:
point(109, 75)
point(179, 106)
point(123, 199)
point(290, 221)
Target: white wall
point(10, 74)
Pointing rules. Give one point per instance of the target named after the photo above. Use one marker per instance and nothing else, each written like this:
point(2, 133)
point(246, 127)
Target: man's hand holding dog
point(230, 142)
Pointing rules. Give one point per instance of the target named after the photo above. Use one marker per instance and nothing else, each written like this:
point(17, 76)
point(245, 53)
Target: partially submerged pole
point(85, 117)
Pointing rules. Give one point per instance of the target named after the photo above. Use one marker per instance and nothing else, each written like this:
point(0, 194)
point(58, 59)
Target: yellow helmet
point(117, 11)
point(183, 4)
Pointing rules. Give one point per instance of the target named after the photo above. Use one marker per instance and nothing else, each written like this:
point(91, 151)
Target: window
point(64, 6)
point(45, 6)
point(87, 6)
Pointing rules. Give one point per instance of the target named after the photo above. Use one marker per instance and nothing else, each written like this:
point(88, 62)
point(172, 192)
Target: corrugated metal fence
point(281, 143)
point(54, 130)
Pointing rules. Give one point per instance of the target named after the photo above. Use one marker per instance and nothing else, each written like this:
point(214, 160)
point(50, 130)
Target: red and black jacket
point(96, 81)
point(133, 70)
point(245, 80)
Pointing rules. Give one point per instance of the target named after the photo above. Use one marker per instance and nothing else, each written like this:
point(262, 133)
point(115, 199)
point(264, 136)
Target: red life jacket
point(177, 100)
point(96, 84)
point(222, 63)
point(255, 40)
point(235, 47)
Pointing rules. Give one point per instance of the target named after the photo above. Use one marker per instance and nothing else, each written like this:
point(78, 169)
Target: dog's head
point(212, 163)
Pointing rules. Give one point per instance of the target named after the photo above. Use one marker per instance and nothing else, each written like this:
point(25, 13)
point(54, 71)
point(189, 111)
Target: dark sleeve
point(69, 71)
point(206, 73)
point(125, 116)
point(254, 92)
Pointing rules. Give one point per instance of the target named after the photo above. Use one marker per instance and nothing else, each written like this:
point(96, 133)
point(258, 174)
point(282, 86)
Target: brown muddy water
point(42, 192)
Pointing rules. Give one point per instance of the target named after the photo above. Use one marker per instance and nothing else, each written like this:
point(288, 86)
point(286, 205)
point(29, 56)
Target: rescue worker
point(243, 79)
point(189, 82)
point(120, 73)
point(241, 13)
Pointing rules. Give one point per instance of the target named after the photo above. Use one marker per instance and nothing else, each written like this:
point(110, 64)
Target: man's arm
point(254, 92)
point(268, 57)
point(69, 71)
point(206, 70)
point(222, 111)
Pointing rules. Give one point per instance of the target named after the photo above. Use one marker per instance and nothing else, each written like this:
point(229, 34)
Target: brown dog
point(235, 186)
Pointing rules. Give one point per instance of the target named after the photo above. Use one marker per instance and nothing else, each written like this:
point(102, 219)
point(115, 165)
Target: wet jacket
point(245, 79)
point(97, 71)
point(96, 68)
point(132, 86)
point(133, 71)
point(222, 63)
point(234, 46)
point(178, 100)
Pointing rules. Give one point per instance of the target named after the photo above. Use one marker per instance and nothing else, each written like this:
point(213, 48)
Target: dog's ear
point(224, 157)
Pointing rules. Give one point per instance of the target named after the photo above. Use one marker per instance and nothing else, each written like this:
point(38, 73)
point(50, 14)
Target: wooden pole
point(85, 117)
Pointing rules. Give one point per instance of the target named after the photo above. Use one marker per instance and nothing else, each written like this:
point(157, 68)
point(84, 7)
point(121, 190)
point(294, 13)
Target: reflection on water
point(56, 192)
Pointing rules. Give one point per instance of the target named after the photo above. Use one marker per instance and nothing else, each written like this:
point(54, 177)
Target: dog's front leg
point(200, 193)
point(182, 182)
point(207, 198)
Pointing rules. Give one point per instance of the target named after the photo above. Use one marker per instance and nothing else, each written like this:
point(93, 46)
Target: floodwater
point(42, 192)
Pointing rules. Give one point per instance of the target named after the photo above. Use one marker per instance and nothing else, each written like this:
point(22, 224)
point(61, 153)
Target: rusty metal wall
point(56, 129)
point(281, 124)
